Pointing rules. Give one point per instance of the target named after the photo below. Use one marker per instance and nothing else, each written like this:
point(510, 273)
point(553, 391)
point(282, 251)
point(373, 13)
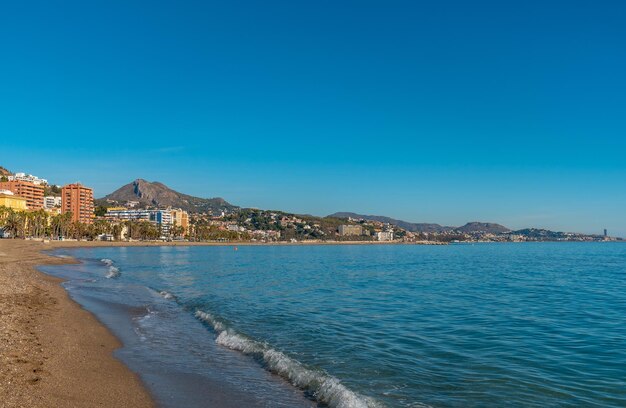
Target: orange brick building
point(33, 193)
point(78, 200)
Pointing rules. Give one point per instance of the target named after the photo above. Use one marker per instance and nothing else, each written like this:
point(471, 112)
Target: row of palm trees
point(40, 224)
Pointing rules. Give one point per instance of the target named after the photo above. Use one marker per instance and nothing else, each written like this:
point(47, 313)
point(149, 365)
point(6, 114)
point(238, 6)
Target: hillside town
point(31, 207)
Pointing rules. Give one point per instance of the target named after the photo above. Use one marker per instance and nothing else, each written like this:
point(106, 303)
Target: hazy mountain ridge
point(159, 195)
point(409, 226)
point(486, 227)
point(470, 227)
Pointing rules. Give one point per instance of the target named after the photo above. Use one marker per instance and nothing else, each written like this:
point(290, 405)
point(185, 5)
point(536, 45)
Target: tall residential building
point(181, 219)
point(32, 192)
point(78, 200)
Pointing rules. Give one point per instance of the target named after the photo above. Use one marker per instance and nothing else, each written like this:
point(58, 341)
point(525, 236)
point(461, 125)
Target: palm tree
point(14, 224)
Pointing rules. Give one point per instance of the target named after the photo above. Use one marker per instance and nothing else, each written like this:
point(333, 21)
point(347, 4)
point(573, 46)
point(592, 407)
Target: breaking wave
point(114, 272)
point(166, 295)
point(324, 387)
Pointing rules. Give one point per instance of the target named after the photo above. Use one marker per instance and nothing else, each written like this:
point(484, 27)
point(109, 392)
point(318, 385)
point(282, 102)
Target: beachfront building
point(384, 236)
point(181, 219)
point(52, 202)
point(78, 200)
point(124, 214)
point(161, 218)
point(347, 230)
point(9, 200)
point(28, 178)
point(32, 192)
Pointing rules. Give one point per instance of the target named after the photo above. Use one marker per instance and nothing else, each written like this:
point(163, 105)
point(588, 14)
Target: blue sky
point(447, 112)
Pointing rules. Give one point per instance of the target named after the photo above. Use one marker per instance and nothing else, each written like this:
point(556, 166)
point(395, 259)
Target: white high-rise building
point(51, 202)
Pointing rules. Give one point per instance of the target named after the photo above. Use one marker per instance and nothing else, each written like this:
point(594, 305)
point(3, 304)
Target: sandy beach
point(53, 353)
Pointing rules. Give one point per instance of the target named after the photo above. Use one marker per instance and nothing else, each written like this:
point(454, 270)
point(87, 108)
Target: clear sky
point(439, 111)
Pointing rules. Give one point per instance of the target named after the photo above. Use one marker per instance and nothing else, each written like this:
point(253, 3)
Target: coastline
point(54, 353)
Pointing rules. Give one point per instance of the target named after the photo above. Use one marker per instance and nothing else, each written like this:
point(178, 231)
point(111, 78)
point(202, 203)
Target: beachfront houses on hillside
point(28, 178)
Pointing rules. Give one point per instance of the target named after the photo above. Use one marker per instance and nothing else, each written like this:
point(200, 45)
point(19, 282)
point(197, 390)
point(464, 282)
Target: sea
point(467, 325)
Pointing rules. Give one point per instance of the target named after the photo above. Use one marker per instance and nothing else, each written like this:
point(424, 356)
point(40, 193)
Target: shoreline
point(54, 353)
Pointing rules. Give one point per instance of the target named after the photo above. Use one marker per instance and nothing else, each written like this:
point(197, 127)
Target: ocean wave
point(324, 387)
point(106, 261)
point(166, 295)
point(114, 272)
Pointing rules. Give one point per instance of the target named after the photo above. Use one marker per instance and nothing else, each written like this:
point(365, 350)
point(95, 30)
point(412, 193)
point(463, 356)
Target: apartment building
point(384, 236)
point(345, 230)
point(161, 218)
point(78, 200)
point(32, 192)
point(52, 202)
point(181, 219)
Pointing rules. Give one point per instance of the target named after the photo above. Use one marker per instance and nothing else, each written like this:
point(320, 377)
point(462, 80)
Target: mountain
point(409, 226)
point(486, 227)
point(4, 172)
point(157, 194)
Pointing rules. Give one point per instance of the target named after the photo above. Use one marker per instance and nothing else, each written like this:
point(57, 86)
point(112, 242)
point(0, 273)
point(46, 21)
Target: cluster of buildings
point(25, 192)
point(164, 219)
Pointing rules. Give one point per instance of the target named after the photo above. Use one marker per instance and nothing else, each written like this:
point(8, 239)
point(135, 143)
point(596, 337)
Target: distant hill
point(540, 233)
point(470, 227)
point(486, 227)
point(409, 226)
point(155, 194)
point(4, 172)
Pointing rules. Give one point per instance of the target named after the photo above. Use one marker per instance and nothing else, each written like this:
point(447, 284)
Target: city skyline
point(417, 112)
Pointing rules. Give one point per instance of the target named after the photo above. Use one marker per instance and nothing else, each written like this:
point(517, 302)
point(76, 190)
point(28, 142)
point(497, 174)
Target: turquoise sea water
point(529, 324)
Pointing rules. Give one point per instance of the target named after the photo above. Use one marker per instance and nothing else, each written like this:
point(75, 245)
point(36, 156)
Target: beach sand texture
point(53, 353)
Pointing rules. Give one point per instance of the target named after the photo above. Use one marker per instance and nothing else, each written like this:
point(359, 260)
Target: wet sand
point(53, 353)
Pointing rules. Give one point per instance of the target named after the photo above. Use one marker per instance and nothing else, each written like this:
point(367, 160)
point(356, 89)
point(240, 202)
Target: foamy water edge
point(324, 387)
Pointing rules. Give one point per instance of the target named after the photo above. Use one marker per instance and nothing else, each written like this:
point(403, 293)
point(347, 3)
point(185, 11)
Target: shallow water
point(532, 324)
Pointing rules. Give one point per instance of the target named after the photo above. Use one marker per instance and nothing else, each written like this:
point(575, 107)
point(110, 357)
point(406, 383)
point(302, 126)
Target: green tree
point(100, 211)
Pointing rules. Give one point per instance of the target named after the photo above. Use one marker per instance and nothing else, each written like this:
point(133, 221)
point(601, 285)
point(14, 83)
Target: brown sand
point(53, 353)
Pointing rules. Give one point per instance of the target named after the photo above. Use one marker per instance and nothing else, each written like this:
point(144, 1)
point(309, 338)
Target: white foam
point(106, 261)
point(324, 387)
point(114, 272)
point(166, 295)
